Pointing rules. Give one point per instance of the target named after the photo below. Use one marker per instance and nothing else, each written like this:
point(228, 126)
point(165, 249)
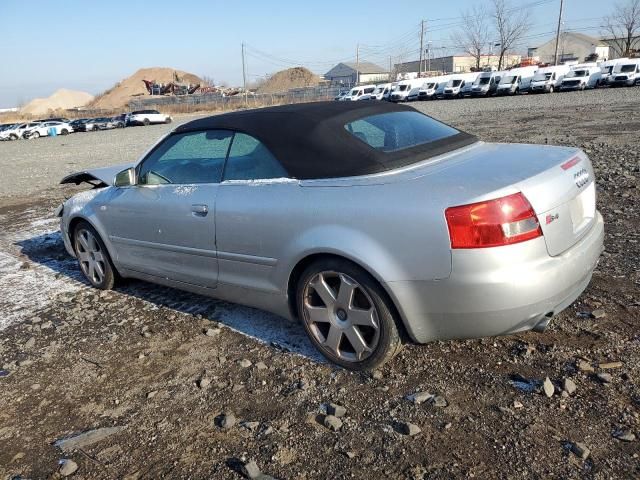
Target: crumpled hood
point(98, 177)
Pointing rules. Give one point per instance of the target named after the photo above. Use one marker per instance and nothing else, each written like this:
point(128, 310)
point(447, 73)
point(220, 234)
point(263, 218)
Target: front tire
point(64, 132)
point(93, 257)
point(145, 122)
point(551, 89)
point(168, 120)
point(347, 315)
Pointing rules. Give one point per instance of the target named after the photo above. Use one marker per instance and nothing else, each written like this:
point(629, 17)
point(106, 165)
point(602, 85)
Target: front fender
point(85, 206)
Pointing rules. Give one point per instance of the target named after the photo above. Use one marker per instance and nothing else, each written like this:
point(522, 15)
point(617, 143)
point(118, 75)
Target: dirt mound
point(119, 95)
point(60, 100)
point(290, 78)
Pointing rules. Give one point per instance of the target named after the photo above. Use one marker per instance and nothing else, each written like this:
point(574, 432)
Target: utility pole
point(421, 47)
point(558, 33)
point(357, 63)
point(244, 77)
point(390, 69)
point(429, 56)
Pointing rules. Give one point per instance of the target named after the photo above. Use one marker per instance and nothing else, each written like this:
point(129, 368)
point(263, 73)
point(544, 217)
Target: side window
point(367, 132)
point(249, 159)
point(185, 158)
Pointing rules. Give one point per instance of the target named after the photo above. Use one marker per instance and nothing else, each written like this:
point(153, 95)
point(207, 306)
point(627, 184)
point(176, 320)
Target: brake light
point(502, 221)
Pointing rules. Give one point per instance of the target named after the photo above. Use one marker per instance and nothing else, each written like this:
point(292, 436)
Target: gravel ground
point(169, 384)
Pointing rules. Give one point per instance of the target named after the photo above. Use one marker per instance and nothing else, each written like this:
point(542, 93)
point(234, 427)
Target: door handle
point(200, 210)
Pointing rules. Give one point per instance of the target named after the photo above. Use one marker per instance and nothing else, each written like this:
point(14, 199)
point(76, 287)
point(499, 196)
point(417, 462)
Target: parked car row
point(529, 79)
point(64, 126)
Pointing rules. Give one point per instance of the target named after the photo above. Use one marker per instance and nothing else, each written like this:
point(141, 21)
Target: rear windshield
point(392, 132)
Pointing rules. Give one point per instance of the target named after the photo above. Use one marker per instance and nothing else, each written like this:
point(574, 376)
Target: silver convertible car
point(370, 222)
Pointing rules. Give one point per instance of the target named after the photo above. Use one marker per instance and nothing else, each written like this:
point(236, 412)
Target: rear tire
point(347, 315)
point(64, 132)
point(551, 89)
point(168, 120)
point(145, 122)
point(35, 135)
point(93, 257)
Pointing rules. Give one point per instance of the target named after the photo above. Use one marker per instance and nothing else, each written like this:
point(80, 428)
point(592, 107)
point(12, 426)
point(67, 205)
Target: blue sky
point(90, 45)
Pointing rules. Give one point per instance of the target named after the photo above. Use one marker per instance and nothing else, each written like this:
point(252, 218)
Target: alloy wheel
point(90, 256)
point(341, 316)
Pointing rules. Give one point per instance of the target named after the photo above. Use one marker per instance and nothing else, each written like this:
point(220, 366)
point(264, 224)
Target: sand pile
point(120, 94)
point(291, 78)
point(62, 99)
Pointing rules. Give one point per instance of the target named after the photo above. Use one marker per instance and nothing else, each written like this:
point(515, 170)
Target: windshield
point(456, 83)
point(484, 80)
point(607, 70)
point(542, 76)
point(577, 73)
point(628, 68)
point(509, 79)
point(402, 88)
point(391, 132)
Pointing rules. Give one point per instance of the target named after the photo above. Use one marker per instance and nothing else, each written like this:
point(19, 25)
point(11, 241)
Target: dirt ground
point(196, 387)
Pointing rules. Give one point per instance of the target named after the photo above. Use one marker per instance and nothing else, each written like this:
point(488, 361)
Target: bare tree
point(208, 81)
point(473, 34)
point(510, 25)
point(623, 26)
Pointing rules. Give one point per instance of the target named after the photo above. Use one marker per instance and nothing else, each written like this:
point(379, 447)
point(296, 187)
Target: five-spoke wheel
point(347, 315)
point(93, 257)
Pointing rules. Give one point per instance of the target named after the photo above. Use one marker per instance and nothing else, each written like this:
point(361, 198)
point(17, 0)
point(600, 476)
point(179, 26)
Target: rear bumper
point(498, 291)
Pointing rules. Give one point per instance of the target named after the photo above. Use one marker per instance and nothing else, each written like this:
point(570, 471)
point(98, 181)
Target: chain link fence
point(215, 101)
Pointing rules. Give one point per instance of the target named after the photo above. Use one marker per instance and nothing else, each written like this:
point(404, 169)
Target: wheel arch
point(73, 224)
point(308, 259)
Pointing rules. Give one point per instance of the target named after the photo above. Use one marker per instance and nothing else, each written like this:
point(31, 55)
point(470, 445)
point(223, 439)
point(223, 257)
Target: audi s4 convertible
point(371, 223)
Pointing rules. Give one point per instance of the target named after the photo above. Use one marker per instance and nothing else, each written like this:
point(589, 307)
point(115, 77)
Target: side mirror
point(125, 178)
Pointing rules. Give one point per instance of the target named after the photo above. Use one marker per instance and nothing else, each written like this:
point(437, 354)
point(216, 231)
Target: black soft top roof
point(311, 142)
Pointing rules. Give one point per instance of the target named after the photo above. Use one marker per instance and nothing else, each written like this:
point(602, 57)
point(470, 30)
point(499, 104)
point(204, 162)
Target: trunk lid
point(557, 181)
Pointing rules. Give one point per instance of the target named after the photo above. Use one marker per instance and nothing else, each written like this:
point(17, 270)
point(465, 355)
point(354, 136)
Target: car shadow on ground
point(47, 252)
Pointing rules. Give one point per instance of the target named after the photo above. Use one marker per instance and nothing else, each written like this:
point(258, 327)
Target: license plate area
point(582, 209)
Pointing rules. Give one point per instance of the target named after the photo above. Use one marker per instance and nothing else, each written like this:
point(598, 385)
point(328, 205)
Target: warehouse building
point(350, 73)
point(571, 47)
point(455, 64)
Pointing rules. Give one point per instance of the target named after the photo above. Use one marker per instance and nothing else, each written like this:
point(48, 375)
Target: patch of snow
point(262, 181)
point(185, 190)
point(47, 273)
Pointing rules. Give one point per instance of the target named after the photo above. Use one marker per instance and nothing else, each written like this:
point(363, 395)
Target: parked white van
point(548, 79)
point(607, 68)
point(359, 93)
point(486, 84)
point(406, 88)
point(516, 80)
point(460, 85)
point(581, 77)
point(428, 89)
point(626, 74)
point(381, 92)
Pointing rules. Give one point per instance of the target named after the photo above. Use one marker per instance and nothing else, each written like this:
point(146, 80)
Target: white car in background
point(147, 117)
point(581, 77)
point(359, 93)
point(625, 74)
point(606, 68)
point(548, 79)
point(381, 92)
point(17, 131)
point(44, 129)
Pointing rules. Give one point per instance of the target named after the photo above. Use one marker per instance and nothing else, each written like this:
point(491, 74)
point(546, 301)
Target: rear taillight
point(502, 221)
